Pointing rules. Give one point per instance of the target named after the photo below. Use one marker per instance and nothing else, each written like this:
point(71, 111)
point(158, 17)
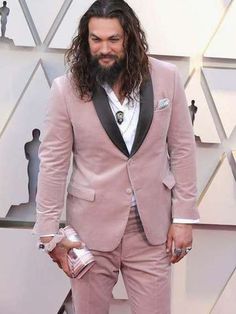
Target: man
point(4, 12)
point(132, 193)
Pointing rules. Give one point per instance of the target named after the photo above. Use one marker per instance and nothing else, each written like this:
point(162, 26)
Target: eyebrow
point(111, 37)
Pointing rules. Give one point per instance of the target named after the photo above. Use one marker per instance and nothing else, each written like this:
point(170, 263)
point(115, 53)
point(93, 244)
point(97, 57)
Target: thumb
point(71, 245)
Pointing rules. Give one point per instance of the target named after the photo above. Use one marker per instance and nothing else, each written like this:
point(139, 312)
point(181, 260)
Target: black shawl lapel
point(145, 115)
point(107, 119)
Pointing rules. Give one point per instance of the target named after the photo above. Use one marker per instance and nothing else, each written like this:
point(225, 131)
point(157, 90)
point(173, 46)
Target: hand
point(59, 254)
point(179, 236)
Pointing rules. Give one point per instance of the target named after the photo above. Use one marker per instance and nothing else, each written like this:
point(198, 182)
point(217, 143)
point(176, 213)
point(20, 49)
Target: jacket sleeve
point(182, 151)
point(54, 153)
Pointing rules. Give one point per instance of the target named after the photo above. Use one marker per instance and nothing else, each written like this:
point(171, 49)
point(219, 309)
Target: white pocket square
point(163, 103)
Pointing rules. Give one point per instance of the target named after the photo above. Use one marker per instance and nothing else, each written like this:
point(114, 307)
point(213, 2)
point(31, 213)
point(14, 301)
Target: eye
point(95, 39)
point(114, 40)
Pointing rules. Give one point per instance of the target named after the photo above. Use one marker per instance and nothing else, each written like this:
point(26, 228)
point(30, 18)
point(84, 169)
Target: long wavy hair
point(136, 60)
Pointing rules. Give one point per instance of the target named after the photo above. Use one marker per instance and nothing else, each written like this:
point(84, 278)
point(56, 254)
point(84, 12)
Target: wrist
point(48, 244)
point(46, 239)
point(181, 225)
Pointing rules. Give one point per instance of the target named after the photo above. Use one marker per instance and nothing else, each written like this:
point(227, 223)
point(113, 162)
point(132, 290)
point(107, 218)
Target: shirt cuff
point(185, 221)
point(47, 235)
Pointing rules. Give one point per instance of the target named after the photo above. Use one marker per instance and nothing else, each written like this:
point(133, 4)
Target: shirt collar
point(112, 96)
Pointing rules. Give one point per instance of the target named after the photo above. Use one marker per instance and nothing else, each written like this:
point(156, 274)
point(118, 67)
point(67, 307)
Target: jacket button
point(129, 191)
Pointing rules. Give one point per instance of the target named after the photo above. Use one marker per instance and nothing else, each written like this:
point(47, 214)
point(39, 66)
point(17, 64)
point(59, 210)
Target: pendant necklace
point(119, 116)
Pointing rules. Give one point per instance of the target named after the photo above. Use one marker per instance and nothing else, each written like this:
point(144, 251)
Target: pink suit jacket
point(160, 169)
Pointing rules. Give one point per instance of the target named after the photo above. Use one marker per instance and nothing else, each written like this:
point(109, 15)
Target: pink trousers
point(145, 269)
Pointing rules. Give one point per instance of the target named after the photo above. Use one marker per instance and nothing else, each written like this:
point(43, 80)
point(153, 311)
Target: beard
point(106, 74)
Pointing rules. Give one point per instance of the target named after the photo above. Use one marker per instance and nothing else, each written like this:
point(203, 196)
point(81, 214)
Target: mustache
point(107, 56)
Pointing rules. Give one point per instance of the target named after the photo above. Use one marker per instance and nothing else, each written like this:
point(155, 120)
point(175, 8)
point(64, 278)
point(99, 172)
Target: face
point(106, 40)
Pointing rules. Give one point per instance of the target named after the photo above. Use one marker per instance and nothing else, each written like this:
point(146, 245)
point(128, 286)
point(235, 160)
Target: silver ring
point(188, 249)
point(177, 251)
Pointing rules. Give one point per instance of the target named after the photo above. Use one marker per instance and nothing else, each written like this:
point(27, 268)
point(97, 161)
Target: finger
point(66, 268)
point(183, 253)
point(169, 244)
point(58, 255)
point(70, 245)
point(57, 261)
point(53, 258)
point(176, 256)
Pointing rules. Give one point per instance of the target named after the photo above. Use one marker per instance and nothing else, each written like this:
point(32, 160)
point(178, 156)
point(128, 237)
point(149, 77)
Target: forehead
point(105, 27)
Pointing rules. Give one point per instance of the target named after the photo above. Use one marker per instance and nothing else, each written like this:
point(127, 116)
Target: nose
point(104, 49)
